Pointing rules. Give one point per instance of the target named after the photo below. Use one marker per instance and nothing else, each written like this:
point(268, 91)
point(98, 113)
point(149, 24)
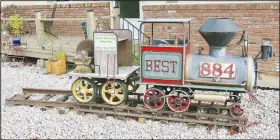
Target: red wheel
point(152, 99)
point(177, 102)
point(236, 111)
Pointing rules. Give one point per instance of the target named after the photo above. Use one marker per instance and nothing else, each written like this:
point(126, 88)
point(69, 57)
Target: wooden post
point(39, 29)
point(91, 24)
point(112, 15)
point(116, 18)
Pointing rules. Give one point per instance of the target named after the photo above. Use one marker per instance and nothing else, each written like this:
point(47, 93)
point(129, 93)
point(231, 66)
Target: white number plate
point(219, 70)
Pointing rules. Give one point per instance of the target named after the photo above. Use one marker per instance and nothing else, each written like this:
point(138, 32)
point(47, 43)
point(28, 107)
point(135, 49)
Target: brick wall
point(260, 20)
point(62, 11)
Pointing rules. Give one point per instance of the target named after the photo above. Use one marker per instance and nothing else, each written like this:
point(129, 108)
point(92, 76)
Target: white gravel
point(22, 122)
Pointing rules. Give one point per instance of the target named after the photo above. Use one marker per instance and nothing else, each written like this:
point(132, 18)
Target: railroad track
point(191, 117)
point(268, 88)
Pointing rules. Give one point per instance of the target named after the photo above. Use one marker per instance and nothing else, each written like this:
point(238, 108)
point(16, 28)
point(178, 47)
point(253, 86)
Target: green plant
point(136, 56)
point(49, 42)
point(16, 23)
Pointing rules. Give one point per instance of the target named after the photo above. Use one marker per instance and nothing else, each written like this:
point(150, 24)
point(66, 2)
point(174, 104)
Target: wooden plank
point(41, 54)
point(46, 91)
point(91, 24)
point(39, 29)
point(25, 19)
point(21, 96)
point(124, 47)
point(124, 73)
point(63, 19)
point(122, 39)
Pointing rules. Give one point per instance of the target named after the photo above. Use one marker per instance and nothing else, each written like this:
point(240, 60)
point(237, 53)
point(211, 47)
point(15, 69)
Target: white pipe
point(210, 98)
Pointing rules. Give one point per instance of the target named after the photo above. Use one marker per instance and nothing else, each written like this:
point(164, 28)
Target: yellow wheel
point(83, 90)
point(114, 93)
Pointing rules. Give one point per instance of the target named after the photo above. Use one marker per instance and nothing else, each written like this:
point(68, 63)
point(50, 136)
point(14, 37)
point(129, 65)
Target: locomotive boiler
point(217, 68)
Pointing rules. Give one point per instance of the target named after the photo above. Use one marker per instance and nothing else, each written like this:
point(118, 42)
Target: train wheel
point(152, 99)
point(114, 92)
point(177, 102)
point(83, 90)
point(236, 110)
point(131, 84)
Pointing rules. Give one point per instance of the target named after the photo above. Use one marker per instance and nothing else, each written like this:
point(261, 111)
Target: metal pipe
point(152, 32)
point(217, 51)
point(210, 98)
point(213, 83)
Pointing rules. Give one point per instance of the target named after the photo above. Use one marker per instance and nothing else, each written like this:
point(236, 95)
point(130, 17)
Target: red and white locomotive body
point(176, 73)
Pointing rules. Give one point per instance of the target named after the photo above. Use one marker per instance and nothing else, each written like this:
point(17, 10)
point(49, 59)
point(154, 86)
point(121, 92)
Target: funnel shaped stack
point(218, 32)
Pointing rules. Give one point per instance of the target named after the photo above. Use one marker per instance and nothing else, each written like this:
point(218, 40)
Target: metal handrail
point(133, 26)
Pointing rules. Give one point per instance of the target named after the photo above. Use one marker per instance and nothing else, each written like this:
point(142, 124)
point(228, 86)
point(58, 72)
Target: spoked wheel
point(131, 84)
point(236, 111)
point(152, 99)
point(83, 90)
point(114, 92)
point(177, 102)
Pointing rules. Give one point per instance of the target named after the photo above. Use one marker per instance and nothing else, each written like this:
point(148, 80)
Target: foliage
point(16, 23)
point(136, 56)
point(48, 41)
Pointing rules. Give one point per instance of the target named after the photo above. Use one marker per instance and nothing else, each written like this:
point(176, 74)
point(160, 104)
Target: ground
point(22, 122)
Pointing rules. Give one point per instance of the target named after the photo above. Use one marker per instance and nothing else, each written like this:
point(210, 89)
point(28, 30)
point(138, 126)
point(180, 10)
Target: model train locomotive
point(170, 67)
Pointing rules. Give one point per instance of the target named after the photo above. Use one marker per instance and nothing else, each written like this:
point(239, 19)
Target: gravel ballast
point(23, 122)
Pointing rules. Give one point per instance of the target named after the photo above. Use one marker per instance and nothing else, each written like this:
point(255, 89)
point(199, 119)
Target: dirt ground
point(269, 81)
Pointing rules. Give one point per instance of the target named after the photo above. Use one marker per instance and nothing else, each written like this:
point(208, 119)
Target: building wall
point(64, 10)
point(21, 3)
point(259, 19)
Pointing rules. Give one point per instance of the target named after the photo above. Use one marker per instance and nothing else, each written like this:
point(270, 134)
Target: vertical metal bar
point(123, 23)
point(184, 52)
point(152, 32)
point(140, 49)
point(185, 32)
point(189, 38)
point(133, 41)
point(127, 26)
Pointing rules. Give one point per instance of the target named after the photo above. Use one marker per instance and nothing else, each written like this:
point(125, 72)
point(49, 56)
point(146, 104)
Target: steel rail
point(134, 112)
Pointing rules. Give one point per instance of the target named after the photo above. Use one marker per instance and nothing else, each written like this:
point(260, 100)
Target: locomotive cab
point(162, 59)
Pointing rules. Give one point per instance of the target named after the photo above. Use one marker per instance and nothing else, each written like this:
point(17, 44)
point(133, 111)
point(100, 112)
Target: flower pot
point(5, 32)
point(16, 41)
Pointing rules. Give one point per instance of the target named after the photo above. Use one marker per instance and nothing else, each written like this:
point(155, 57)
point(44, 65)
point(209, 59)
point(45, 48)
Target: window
point(129, 9)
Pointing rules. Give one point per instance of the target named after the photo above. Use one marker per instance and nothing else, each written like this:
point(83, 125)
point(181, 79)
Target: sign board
point(105, 42)
point(162, 65)
point(105, 53)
